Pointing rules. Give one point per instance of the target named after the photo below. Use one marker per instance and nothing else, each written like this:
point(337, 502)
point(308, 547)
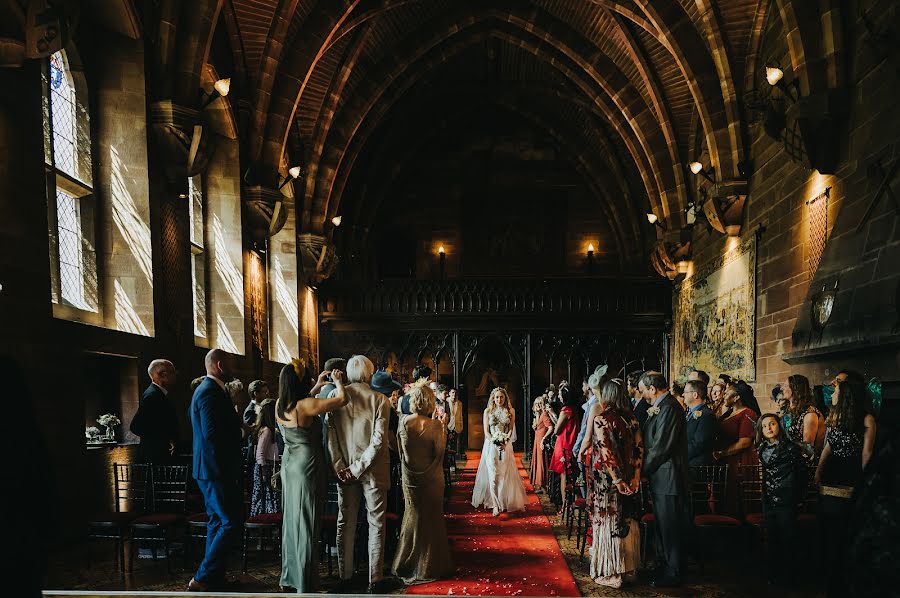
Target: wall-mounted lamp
point(697, 168)
point(590, 257)
point(775, 78)
point(293, 173)
point(442, 260)
point(220, 90)
point(654, 220)
point(683, 266)
point(337, 220)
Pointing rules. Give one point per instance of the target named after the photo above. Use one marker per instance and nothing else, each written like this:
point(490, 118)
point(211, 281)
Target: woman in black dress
point(849, 442)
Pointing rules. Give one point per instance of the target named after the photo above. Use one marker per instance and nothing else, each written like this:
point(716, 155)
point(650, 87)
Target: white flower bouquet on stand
point(500, 439)
point(109, 421)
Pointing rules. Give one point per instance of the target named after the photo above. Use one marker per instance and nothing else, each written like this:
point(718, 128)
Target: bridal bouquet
point(500, 439)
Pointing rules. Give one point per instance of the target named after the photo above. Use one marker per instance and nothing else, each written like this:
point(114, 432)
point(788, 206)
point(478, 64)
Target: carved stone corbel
point(821, 118)
point(724, 206)
point(318, 257)
point(185, 142)
point(671, 255)
point(264, 211)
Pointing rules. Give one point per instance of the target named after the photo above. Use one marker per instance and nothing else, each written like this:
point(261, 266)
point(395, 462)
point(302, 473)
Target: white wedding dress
point(498, 485)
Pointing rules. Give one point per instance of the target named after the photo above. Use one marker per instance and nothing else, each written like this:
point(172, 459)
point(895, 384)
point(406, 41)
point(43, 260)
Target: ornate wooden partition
point(548, 329)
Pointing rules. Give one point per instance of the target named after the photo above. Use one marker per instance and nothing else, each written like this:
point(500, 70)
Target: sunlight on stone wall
point(283, 316)
point(224, 244)
point(127, 319)
point(123, 190)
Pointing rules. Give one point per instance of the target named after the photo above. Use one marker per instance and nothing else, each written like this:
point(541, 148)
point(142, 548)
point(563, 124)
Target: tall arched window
point(71, 205)
point(196, 214)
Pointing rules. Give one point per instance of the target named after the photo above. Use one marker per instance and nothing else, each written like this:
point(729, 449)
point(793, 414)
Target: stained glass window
point(63, 114)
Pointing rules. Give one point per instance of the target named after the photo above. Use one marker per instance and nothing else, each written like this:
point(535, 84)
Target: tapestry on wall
point(715, 317)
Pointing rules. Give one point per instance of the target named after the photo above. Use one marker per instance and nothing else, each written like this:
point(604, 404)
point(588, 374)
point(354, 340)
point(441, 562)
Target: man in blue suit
point(217, 468)
point(701, 424)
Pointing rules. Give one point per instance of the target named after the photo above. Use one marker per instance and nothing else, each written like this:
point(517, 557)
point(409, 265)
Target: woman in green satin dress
point(303, 471)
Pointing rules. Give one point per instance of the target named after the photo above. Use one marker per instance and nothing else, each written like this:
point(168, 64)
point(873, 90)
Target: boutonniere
point(652, 411)
point(697, 414)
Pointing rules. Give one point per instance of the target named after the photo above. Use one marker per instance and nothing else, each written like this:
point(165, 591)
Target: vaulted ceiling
point(631, 90)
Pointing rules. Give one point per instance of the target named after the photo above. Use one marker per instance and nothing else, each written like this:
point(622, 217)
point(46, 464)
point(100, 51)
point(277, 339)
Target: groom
point(666, 465)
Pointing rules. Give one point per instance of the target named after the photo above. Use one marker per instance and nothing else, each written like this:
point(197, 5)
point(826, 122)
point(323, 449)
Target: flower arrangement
point(91, 433)
point(652, 411)
point(109, 420)
point(499, 439)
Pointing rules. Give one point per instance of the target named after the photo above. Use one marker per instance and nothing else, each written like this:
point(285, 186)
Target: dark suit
point(157, 425)
point(666, 465)
point(640, 411)
point(250, 413)
point(217, 469)
point(701, 436)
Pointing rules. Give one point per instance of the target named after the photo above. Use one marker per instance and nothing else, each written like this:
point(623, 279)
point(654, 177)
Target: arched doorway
point(490, 363)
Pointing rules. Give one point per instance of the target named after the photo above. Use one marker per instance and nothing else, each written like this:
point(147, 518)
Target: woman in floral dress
point(617, 454)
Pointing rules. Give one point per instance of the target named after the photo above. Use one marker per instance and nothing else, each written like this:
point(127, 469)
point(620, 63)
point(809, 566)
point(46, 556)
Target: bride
point(498, 485)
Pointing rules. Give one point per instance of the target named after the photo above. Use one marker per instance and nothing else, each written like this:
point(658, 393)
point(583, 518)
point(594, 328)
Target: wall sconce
point(293, 173)
point(337, 220)
point(220, 90)
point(654, 220)
point(682, 266)
point(442, 260)
point(697, 169)
point(775, 78)
point(590, 257)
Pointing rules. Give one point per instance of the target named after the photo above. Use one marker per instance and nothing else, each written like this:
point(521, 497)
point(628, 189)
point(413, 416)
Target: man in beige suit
point(357, 441)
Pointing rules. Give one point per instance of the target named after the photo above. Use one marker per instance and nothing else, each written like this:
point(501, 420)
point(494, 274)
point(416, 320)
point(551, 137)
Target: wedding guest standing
point(617, 455)
point(423, 552)
point(303, 473)
point(357, 443)
point(717, 399)
point(566, 430)
point(455, 425)
point(217, 468)
point(783, 490)
point(155, 421)
point(258, 391)
point(736, 434)
point(542, 427)
point(804, 422)
point(666, 466)
point(262, 497)
point(638, 405)
point(849, 443)
point(701, 424)
point(586, 391)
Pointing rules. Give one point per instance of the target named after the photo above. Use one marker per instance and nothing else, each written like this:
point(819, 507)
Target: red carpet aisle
point(516, 557)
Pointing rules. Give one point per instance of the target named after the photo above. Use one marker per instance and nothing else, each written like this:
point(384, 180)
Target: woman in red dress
point(567, 427)
point(736, 434)
point(542, 426)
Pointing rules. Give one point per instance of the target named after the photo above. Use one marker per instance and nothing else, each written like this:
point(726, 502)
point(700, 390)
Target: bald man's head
point(218, 364)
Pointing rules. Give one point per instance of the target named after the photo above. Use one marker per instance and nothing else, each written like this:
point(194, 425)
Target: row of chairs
point(708, 497)
point(154, 504)
point(149, 506)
